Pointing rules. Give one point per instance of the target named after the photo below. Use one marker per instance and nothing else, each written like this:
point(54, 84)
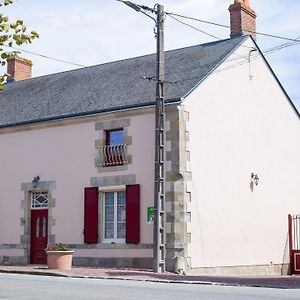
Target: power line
point(236, 62)
point(45, 56)
point(202, 31)
point(268, 51)
point(227, 26)
point(255, 57)
point(296, 41)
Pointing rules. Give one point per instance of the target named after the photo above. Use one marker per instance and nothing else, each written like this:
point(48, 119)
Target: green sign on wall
point(150, 215)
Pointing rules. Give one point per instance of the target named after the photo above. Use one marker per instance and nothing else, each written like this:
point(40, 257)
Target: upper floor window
point(114, 137)
point(114, 153)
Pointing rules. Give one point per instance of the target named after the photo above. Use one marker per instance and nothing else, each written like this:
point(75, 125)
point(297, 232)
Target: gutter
point(91, 113)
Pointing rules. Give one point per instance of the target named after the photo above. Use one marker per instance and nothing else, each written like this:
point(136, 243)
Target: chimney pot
point(245, 2)
point(19, 68)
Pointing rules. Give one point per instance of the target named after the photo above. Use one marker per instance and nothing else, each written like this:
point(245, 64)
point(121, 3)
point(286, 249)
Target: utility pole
point(159, 188)
point(159, 250)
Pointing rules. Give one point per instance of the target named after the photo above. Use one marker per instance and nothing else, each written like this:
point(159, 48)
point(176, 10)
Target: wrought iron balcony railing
point(112, 155)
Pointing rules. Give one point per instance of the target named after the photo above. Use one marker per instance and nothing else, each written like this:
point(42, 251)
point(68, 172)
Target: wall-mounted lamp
point(35, 181)
point(254, 178)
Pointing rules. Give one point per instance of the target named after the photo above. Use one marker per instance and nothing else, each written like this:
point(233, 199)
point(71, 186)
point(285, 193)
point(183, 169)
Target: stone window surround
point(101, 127)
point(106, 183)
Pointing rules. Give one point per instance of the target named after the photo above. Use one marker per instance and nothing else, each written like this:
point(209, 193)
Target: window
point(39, 200)
point(114, 216)
point(37, 227)
point(114, 152)
point(115, 149)
point(120, 215)
point(114, 137)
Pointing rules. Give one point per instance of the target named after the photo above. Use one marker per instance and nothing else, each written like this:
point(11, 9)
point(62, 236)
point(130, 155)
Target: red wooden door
point(39, 236)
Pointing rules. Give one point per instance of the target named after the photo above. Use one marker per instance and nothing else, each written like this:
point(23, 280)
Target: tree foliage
point(11, 33)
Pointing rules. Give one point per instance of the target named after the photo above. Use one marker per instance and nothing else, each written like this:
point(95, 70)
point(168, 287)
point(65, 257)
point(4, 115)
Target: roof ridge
point(130, 58)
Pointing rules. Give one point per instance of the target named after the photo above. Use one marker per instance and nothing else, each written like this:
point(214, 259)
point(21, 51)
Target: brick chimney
point(19, 68)
point(242, 19)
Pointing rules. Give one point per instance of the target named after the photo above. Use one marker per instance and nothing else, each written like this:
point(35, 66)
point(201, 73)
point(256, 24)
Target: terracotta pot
point(60, 260)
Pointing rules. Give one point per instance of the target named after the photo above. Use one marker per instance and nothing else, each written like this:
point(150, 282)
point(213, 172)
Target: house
point(77, 160)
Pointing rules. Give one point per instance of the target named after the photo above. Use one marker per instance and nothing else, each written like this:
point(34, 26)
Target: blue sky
point(97, 31)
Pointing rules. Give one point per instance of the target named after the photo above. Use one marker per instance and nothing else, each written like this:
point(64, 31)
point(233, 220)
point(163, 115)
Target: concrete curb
point(33, 273)
point(158, 280)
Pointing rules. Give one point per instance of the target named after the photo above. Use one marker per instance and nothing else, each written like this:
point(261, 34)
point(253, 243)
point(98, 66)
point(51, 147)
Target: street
point(15, 286)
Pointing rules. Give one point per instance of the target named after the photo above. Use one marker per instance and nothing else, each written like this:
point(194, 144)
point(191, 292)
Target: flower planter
point(60, 260)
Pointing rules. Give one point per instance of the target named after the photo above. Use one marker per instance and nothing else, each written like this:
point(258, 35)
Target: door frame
point(25, 219)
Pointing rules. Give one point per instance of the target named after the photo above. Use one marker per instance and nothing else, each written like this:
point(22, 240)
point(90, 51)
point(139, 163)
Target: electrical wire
point(245, 61)
point(244, 58)
point(227, 26)
point(236, 62)
point(202, 31)
point(172, 15)
point(45, 56)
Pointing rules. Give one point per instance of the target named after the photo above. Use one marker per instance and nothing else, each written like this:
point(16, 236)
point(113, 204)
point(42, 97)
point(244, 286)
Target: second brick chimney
point(19, 68)
point(242, 18)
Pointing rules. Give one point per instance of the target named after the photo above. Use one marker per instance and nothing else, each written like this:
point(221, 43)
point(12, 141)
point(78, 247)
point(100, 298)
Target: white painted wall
point(238, 126)
point(66, 154)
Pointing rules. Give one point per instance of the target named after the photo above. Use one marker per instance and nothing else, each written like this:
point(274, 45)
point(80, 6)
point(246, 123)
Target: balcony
point(112, 155)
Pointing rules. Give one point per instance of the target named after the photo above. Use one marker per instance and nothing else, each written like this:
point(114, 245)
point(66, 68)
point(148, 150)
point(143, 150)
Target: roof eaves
point(89, 113)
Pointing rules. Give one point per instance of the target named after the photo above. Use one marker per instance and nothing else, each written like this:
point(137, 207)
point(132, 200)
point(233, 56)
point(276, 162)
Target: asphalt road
point(19, 287)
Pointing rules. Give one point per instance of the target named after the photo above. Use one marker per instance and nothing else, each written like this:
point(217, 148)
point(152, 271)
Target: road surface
point(33, 287)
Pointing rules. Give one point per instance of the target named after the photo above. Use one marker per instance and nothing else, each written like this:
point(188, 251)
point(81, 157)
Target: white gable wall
point(239, 125)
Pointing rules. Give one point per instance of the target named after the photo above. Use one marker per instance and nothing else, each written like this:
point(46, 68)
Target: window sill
point(112, 168)
point(111, 246)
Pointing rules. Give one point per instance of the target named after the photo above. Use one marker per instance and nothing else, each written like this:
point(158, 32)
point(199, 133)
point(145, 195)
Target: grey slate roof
point(111, 86)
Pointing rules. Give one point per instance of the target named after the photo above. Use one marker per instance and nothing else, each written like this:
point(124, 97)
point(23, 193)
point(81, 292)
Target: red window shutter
point(91, 215)
point(133, 214)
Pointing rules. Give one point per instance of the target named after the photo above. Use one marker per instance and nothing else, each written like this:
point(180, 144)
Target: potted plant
point(59, 256)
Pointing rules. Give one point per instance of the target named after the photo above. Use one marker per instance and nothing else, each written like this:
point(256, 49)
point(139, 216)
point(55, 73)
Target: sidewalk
point(283, 282)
